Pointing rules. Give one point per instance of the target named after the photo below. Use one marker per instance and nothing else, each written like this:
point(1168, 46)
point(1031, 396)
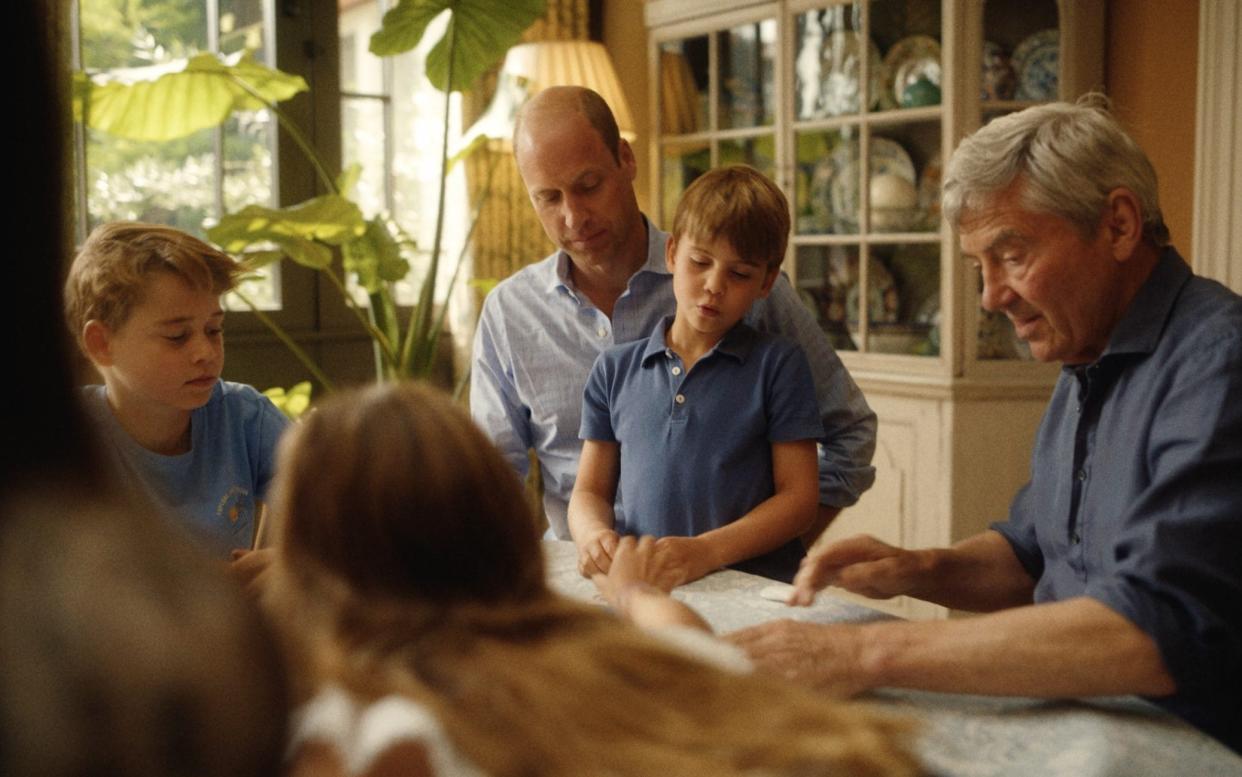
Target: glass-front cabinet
point(853, 108)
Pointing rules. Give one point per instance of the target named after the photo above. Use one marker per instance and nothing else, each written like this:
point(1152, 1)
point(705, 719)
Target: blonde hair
point(410, 564)
point(740, 205)
point(109, 274)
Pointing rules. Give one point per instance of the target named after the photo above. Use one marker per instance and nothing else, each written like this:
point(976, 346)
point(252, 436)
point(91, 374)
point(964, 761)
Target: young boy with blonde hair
point(704, 434)
point(143, 301)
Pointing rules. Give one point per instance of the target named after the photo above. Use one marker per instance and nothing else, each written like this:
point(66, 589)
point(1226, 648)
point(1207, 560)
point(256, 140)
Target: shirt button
point(676, 370)
point(1081, 474)
point(1075, 539)
point(601, 331)
point(680, 399)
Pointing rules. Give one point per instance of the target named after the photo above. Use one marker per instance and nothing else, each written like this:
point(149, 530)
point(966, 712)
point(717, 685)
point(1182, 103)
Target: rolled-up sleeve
point(1174, 569)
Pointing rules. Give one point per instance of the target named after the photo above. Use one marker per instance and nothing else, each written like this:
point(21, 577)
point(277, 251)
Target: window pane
point(167, 183)
point(187, 182)
point(133, 33)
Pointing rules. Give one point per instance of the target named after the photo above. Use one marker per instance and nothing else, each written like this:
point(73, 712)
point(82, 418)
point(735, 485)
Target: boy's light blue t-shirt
point(214, 487)
point(696, 448)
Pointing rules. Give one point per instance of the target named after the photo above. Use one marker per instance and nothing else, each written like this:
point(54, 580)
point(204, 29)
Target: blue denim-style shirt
point(538, 337)
point(1135, 496)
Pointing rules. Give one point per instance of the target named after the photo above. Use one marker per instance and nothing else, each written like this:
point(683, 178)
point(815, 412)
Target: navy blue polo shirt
point(696, 447)
point(1135, 496)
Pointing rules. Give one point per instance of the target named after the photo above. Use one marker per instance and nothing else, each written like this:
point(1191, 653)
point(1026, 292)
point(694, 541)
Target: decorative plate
point(887, 158)
point(909, 59)
point(1035, 61)
point(997, 80)
point(841, 71)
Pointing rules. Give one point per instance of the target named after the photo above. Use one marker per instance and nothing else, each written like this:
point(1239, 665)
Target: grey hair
point(1069, 156)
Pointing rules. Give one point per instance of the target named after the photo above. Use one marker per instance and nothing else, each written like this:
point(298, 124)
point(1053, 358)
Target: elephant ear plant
point(171, 101)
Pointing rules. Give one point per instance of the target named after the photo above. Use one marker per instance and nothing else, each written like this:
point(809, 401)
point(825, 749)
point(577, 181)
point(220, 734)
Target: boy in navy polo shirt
point(706, 431)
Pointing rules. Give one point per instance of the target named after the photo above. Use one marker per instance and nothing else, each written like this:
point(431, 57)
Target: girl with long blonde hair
point(410, 589)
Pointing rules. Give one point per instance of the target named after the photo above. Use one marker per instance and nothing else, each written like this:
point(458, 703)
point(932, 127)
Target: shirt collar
point(656, 240)
point(737, 343)
point(1144, 320)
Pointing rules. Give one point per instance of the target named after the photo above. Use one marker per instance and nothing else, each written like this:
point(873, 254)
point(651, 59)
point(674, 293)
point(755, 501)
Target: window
point(185, 182)
point(392, 124)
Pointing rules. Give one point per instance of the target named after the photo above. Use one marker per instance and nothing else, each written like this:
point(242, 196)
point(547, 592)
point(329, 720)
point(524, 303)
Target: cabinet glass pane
point(680, 164)
point(909, 35)
point(683, 86)
point(903, 299)
point(826, 189)
point(758, 152)
point(904, 178)
point(827, 282)
point(828, 46)
point(747, 56)
point(1021, 50)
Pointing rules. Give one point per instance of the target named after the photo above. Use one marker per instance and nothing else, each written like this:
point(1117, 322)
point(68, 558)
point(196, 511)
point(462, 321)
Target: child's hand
point(686, 559)
point(250, 568)
point(635, 562)
point(595, 553)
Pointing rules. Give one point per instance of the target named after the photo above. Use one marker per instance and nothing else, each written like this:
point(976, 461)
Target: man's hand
point(861, 564)
point(595, 553)
point(251, 568)
point(823, 656)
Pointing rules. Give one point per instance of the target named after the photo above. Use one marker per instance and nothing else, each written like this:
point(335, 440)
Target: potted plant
point(170, 101)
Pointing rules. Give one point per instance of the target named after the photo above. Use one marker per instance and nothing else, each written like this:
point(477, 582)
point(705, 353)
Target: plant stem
point(420, 318)
point(353, 305)
point(289, 342)
point(465, 245)
point(294, 133)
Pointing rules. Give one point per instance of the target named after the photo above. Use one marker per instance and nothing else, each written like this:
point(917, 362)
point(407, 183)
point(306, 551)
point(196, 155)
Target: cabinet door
point(717, 87)
point(866, 127)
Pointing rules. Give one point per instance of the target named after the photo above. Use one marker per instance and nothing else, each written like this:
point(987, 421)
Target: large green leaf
point(375, 257)
point(483, 31)
point(170, 101)
point(298, 230)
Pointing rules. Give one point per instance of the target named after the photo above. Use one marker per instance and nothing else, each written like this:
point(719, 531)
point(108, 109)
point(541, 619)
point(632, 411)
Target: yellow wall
point(1151, 71)
point(625, 36)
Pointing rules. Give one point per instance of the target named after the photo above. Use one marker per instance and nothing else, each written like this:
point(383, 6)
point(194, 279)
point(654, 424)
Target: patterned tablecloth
point(970, 736)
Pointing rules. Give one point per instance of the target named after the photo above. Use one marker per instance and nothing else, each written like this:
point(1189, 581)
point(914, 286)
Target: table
point(966, 735)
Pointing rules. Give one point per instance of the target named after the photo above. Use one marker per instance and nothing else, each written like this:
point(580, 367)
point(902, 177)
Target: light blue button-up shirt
point(538, 338)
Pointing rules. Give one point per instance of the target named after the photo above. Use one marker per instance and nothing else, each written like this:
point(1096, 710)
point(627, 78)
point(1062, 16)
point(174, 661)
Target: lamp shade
point(571, 63)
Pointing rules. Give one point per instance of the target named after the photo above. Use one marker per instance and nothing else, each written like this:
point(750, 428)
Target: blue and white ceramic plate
point(887, 158)
point(908, 60)
point(1036, 61)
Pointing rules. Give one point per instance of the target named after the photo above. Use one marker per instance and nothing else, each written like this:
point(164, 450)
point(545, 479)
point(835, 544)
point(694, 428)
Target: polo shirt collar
point(1143, 322)
point(737, 343)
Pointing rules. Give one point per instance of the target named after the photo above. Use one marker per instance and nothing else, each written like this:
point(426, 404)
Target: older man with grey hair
point(1117, 570)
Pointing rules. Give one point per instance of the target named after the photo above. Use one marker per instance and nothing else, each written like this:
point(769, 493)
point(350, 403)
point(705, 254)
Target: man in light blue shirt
point(541, 329)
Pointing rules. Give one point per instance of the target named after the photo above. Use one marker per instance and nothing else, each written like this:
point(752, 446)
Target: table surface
point(966, 735)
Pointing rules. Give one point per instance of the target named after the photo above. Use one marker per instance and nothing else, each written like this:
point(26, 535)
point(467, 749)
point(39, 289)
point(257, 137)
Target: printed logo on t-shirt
point(233, 504)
